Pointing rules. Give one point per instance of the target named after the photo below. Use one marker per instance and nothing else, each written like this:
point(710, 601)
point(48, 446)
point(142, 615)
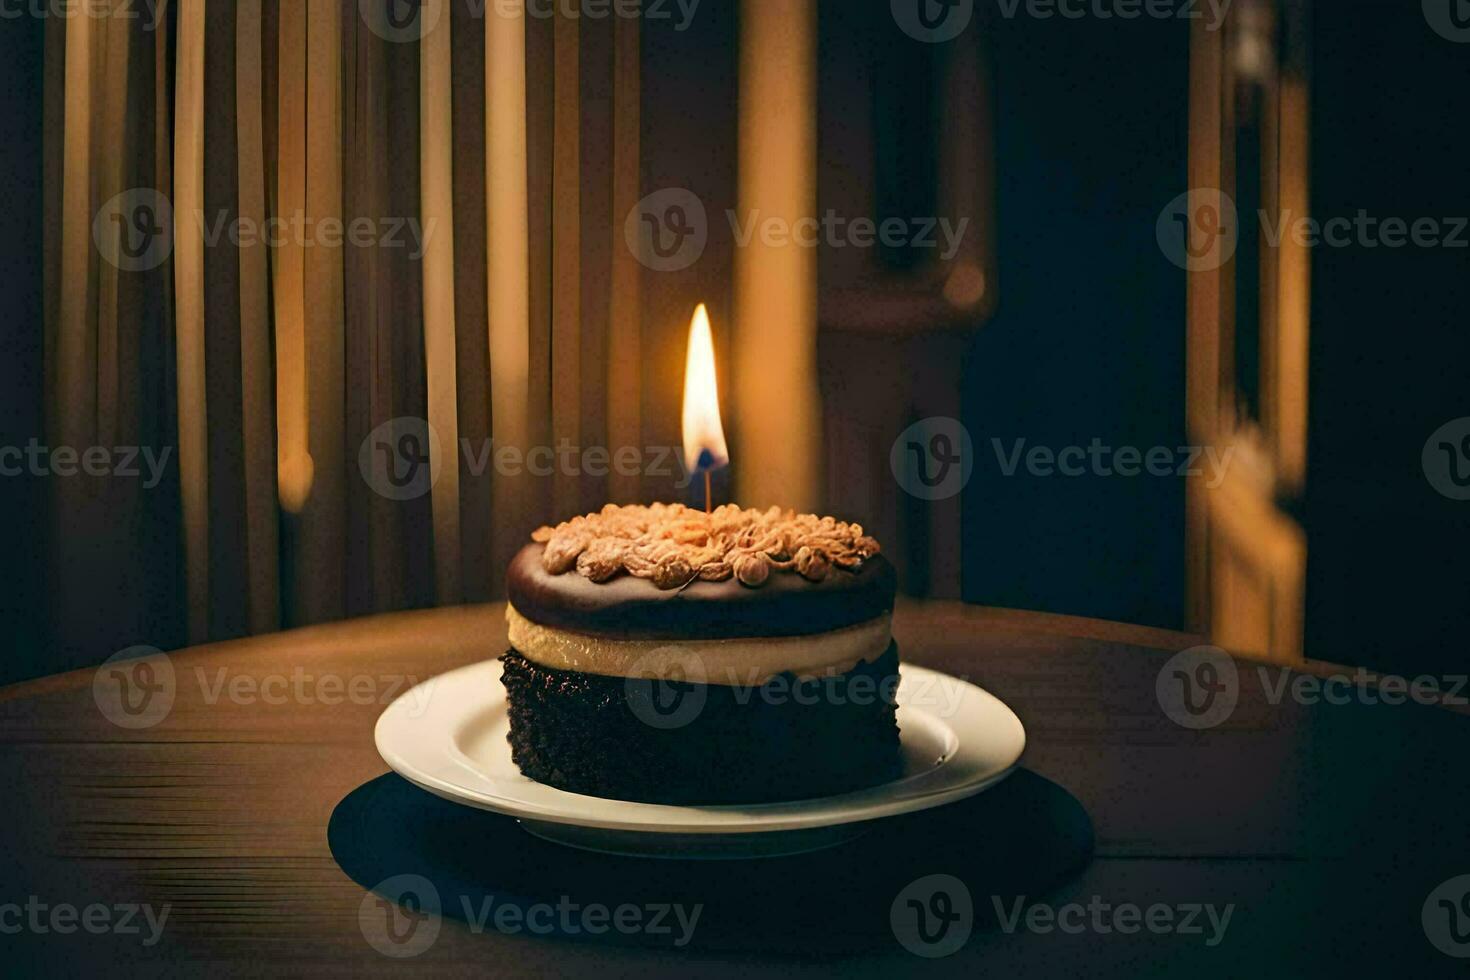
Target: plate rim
point(869, 803)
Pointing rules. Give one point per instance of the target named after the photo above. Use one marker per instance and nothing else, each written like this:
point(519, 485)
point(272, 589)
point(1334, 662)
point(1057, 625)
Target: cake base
point(680, 743)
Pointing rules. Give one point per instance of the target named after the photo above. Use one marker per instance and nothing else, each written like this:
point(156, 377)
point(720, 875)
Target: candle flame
point(704, 436)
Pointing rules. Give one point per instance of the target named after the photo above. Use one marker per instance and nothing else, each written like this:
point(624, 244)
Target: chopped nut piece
point(752, 570)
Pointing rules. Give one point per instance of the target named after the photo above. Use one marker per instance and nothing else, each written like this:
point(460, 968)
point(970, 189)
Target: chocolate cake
point(666, 655)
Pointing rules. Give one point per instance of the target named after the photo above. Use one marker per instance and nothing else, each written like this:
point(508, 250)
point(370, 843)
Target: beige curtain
point(488, 163)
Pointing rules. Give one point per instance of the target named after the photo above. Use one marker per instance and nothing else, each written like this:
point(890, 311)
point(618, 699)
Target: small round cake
point(666, 655)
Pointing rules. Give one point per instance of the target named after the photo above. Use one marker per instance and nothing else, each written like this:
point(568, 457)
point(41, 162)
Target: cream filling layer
point(737, 662)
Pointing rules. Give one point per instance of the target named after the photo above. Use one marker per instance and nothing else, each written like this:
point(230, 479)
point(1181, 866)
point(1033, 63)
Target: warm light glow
point(965, 286)
point(295, 473)
point(704, 436)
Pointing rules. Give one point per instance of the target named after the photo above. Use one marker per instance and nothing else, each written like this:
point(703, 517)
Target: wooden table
point(1323, 827)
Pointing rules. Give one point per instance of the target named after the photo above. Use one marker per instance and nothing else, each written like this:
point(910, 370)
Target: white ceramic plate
point(448, 736)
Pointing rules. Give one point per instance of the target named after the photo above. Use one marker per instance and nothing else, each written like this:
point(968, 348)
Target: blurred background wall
point(540, 315)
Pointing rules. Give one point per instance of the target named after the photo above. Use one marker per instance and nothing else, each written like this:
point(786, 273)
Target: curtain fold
point(217, 282)
point(436, 155)
point(594, 163)
point(72, 347)
point(624, 333)
point(364, 191)
point(518, 268)
point(566, 254)
point(321, 531)
point(258, 435)
point(189, 272)
point(471, 293)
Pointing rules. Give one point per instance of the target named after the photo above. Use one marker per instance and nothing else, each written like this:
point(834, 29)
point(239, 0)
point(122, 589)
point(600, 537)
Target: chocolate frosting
point(633, 608)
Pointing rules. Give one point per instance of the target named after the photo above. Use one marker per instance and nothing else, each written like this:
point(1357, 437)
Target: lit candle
point(704, 436)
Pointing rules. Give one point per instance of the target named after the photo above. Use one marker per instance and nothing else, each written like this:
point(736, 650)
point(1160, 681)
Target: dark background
point(1388, 566)
point(1087, 339)
point(22, 499)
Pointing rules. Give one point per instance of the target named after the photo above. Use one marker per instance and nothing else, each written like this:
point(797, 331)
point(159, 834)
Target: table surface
point(1323, 827)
